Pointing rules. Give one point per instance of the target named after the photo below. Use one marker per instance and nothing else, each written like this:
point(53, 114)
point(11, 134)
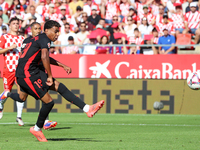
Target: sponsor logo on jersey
point(49, 45)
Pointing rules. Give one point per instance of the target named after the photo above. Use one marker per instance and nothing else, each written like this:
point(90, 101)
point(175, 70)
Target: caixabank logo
point(105, 67)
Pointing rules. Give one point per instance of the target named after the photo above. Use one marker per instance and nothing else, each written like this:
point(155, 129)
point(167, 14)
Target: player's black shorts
point(35, 85)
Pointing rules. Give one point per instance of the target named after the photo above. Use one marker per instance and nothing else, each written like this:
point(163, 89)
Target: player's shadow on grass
point(29, 125)
point(61, 128)
point(78, 139)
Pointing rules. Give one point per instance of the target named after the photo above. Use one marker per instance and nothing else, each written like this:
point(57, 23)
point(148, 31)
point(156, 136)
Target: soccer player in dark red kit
point(35, 82)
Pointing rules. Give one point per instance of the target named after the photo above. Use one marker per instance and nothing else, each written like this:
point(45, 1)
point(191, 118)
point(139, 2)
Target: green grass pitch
point(104, 132)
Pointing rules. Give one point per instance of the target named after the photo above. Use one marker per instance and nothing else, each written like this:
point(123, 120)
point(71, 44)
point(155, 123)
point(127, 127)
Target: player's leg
point(20, 106)
point(8, 81)
point(90, 110)
point(44, 112)
point(48, 124)
point(35, 86)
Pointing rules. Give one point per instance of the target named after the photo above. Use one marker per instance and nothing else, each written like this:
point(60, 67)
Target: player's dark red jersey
point(31, 55)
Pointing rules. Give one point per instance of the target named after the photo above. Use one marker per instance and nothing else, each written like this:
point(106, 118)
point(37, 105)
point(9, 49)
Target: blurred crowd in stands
point(110, 22)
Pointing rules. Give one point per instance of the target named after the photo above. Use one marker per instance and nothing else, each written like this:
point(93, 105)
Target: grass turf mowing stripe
point(114, 124)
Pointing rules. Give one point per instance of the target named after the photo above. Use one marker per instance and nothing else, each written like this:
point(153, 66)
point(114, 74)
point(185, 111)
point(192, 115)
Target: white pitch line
point(115, 124)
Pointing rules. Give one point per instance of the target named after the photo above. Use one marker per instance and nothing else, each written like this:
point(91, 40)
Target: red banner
point(126, 66)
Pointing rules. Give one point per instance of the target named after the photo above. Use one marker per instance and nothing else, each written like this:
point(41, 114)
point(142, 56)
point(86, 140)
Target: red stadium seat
point(183, 39)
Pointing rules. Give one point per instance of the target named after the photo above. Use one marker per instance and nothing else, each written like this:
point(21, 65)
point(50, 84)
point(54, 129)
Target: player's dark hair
point(50, 24)
point(13, 19)
point(34, 23)
point(1, 17)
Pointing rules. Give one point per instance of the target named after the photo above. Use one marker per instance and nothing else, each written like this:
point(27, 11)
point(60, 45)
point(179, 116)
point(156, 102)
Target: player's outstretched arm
point(2, 51)
point(46, 63)
point(57, 63)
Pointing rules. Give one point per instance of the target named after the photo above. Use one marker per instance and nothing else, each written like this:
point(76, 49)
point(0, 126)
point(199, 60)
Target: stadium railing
point(182, 49)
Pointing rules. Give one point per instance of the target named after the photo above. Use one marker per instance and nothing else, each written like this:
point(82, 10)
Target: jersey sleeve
point(2, 42)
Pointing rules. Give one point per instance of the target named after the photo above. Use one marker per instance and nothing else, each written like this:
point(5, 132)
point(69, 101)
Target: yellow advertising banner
point(132, 96)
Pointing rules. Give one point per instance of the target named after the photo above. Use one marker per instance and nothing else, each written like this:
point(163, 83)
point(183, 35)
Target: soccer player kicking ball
point(35, 82)
point(10, 45)
point(36, 30)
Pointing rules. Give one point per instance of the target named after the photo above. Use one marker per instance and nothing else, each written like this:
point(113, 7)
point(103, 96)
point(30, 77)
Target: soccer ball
point(158, 105)
point(193, 81)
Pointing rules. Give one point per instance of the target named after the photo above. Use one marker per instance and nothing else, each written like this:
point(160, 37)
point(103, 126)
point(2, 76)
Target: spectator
point(133, 14)
point(113, 28)
point(145, 28)
point(124, 8)
point(52, 50)
point(40, 7)
point(77, 16)
point(74, 4)
point(17, 12)
point(132, 49)
point(139, 6)
point(63, 38)
point(46, 7)
point(33, 13)
point(103, 49)
point(24, 4)
point(84, 18)
point(188, 7)
point(4, 5)
point(88, 7)
point(63, 14)
point(90, 49)
point(112, 9)
point(65, 4)
point(178, 20)
point(62, 24)
point(167, 39)
point(101, 24)
point(4, 16)
point(51, 13)
point(57, 7)
point(70, 49)
point(11, 10)
point(129, 28)
point(94, 17)
point(154, 40)
point(120, 49)
point(4, 30)
point(159, 17)
point(166, 24)
point(82, 35)
point(136, 39)
point(192, 20)
point(2, 25)
point(171, 8)
point(150, 17)
point(155, 6)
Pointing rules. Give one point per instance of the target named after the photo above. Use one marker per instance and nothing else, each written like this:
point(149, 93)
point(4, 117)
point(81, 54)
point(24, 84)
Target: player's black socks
point(44, 111)
point(15, 97)
point(48, 115)
point(69, 96)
